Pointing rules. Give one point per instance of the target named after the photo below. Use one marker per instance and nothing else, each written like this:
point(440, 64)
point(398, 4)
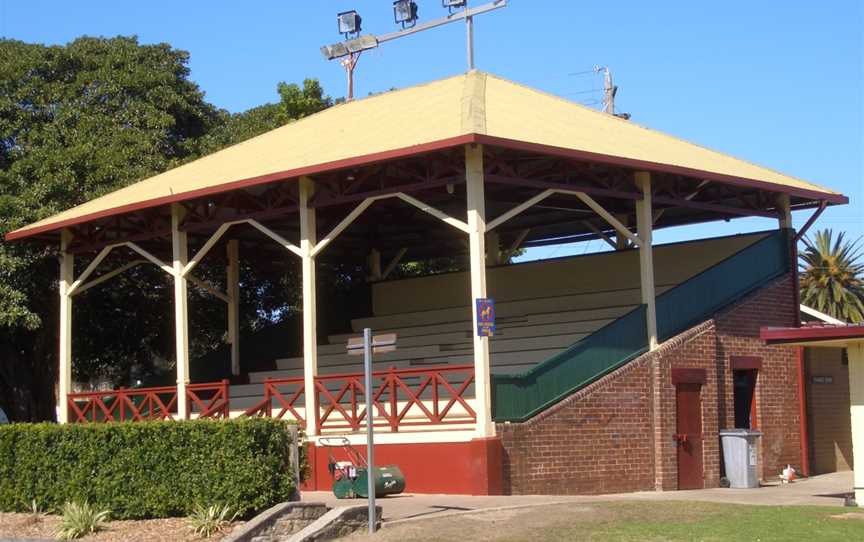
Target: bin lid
point(740, 433)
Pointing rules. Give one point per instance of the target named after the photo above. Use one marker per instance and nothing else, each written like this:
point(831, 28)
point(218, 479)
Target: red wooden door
point(688, 436)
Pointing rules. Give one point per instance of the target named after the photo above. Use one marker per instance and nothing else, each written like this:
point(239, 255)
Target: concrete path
point(826, 490)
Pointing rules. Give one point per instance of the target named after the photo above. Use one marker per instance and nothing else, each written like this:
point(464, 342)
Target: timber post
point(308, 240)
point(67, 272)
point(644, 227)
point(180, 251)
point(477, 240)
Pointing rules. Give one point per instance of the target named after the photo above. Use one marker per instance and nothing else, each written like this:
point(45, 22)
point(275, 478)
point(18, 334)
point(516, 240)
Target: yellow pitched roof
point(472, 107)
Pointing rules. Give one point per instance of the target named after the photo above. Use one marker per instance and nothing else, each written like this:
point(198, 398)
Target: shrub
point(205, 522)
point(146, 469)
point(78, 520)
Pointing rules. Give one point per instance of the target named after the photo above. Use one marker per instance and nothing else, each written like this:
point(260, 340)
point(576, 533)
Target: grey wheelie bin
point(741, 456)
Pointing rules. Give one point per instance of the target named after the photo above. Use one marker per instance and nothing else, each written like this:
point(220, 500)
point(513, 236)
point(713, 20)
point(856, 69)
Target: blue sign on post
point(485, 317)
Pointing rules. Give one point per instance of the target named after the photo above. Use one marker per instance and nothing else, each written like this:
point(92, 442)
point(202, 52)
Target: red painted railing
point(340, 399)
point(401, 398)
point(287, 393)
point(140, 404)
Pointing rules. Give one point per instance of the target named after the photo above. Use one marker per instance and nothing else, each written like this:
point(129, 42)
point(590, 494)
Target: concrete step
point(344, 358)
point(605, 314)
point(409, 331)
point(457, 357)
point(586, 301)
point(498, 345)
point(404, 342)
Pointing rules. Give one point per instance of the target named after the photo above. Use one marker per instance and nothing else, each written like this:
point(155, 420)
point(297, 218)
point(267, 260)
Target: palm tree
point(832, 276)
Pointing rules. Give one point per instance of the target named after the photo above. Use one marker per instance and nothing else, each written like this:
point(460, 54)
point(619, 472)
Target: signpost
point(485, 317)
point(368, 345)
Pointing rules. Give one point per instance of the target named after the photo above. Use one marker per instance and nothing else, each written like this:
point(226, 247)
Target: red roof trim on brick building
point(791, 335)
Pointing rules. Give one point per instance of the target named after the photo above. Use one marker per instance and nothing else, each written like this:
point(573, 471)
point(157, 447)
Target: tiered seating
point(528, 331)
point(543, 308)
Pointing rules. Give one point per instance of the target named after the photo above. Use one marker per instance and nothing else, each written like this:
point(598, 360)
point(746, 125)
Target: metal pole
point(370, 442)
point(469, 27)
point(350, 70)
point(610, 91)
point(350, 62)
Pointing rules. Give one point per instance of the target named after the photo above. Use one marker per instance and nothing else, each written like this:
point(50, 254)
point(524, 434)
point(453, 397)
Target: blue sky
point(775, 82)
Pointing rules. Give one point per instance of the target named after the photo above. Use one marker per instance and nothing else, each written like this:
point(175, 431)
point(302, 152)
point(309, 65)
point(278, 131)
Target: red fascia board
point(835, 199)
point(783, 335)
point(245, 183)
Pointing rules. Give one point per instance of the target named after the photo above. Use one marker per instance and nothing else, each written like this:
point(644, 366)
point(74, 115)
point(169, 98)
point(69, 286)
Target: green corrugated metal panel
point(696, 299)
point(518, 397)
point(521, 396)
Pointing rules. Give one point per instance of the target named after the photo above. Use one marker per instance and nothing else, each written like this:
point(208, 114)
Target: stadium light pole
point(349, 50)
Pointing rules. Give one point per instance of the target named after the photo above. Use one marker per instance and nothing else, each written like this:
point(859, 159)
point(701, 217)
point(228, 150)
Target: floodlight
point(334, 51)
point(349, 22)
point(450, 4)
point(405, 12)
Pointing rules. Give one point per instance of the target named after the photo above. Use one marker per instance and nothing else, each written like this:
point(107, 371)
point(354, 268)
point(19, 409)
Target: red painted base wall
point(461, 468)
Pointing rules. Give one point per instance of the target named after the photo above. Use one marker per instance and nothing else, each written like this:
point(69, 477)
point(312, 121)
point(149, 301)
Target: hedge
point(143, 470)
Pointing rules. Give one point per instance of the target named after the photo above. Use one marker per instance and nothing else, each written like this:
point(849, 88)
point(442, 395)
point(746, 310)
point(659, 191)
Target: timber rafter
point(141, 226)
point(346, 186)
point(274, 201)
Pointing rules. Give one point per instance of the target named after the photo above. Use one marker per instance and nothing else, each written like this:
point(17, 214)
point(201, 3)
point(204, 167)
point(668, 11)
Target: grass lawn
point(638, 521)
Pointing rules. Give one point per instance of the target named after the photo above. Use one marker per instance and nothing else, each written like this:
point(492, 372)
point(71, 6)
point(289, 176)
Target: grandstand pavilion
point(607, 372)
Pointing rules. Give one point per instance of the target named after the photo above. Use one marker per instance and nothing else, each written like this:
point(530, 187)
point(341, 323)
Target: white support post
point(107, 276)
point(308, 234)
point(476, 234)
point(374, 263)
point(180, 251)
point(856, 401)
point(67, 274)
point(785, 211)
point(644, 227)
point(612, 243)
point(233, 291)
point(514, 246)
point(621, 242)
point(493, 249)
point(394, 262)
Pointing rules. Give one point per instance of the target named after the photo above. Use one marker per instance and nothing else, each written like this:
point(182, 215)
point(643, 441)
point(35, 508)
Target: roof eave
point(793, 336)
point(830, 198)
point(366, 160)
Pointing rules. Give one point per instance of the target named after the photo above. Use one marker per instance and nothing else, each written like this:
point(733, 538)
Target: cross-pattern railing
point(287, 393)
point(402, 398)
point(434, 396)
point(210, 400)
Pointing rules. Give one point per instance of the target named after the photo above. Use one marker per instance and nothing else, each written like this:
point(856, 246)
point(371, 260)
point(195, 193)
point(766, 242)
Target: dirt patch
point(496, 525)
point(25, 526)
point(850, 515)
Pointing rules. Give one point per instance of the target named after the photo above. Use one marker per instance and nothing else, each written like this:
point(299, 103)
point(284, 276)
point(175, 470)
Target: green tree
point(295, 102)
point(78, 121)
point(832, 276)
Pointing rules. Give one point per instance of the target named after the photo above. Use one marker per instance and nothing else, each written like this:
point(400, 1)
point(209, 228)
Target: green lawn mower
point(350, 477)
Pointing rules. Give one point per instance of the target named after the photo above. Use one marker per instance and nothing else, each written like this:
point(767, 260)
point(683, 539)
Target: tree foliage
point(295, 103)
point(832, 276)
point(76, 122)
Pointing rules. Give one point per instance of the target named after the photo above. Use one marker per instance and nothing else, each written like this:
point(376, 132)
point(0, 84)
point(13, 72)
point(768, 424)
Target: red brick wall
point(616, 435)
